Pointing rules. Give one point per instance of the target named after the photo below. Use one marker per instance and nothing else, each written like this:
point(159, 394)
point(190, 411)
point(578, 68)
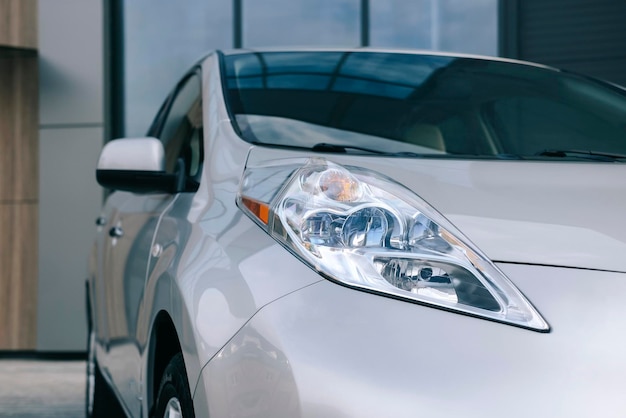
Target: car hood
point(561, 214)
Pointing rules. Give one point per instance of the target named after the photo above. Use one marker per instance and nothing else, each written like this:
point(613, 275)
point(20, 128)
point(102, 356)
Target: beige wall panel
point(6, 254)
point(19, 154)
point(18, 278)
point(18, 23)
point(19, 163)
point(26, 150)
point(7, 128)
point(18, 201)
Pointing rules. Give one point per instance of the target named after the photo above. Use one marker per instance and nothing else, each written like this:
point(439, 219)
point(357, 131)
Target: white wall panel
point(71, 62)
point(71, 136)
point(69, 201)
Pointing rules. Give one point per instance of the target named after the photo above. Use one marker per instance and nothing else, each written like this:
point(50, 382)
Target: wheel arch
point(164, 344)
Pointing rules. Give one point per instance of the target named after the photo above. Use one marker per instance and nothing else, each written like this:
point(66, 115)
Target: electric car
point(327, 233)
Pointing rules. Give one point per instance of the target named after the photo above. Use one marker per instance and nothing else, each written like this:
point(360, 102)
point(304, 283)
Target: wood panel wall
point(19, 178)
point(18, 23)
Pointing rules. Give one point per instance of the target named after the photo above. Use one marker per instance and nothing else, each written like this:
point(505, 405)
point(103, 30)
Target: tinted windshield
point(423, 104)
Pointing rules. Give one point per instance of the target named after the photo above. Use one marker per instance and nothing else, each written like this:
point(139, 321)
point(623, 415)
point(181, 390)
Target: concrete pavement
point(42, 388)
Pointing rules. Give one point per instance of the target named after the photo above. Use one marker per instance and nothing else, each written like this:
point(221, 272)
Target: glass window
point(180, 129)
point(427, 105)
point(444, 25)
point(305, 22)
point(535, 125)
point(467, 26)
point(162, 39)
point(401, 23)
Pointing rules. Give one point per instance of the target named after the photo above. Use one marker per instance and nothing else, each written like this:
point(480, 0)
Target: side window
point(180, 128)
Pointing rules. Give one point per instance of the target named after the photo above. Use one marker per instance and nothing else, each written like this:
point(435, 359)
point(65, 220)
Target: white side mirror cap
point(133, 154)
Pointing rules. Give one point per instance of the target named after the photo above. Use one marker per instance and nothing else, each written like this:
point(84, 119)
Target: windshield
point(427, 105)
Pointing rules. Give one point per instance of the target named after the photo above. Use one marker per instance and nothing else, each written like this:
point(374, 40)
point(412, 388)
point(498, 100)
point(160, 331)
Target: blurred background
point(77, 73)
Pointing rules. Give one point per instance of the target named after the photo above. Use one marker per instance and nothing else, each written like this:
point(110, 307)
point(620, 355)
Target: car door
point(130, 242)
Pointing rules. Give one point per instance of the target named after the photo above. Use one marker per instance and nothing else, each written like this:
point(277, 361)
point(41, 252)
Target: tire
point(100, 402)
point(174, 398)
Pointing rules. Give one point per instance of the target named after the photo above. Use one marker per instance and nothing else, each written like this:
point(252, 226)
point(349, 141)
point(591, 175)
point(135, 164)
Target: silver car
point(364, 233)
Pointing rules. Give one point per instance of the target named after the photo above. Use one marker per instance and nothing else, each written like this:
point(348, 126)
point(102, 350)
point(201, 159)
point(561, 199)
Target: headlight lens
point(369, 232)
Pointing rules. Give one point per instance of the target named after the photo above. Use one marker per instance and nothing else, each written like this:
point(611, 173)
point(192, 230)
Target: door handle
point(116, 232)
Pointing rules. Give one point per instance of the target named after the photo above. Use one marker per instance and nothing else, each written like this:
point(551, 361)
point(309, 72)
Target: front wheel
point(174, 398)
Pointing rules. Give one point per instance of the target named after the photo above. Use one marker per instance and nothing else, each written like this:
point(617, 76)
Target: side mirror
point(136, 165)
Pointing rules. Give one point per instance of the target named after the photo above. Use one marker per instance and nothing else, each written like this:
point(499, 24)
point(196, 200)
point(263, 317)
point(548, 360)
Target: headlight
point(368, 232)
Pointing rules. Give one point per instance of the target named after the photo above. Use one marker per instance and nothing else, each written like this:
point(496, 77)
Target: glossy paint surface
point(194, 256)
point(352, 354)
point(138, 153)
point(264, 335)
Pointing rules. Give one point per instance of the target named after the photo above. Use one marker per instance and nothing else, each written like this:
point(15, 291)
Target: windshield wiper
point(341, 149)
point(337, 149)
point(591, 155)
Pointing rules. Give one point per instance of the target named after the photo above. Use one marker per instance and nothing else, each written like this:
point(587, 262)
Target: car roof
point(383, 50)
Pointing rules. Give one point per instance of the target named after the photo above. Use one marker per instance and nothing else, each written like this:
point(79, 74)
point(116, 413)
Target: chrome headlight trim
point(368, 232)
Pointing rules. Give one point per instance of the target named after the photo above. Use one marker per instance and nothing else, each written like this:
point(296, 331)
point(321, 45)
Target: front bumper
point(330, 351)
